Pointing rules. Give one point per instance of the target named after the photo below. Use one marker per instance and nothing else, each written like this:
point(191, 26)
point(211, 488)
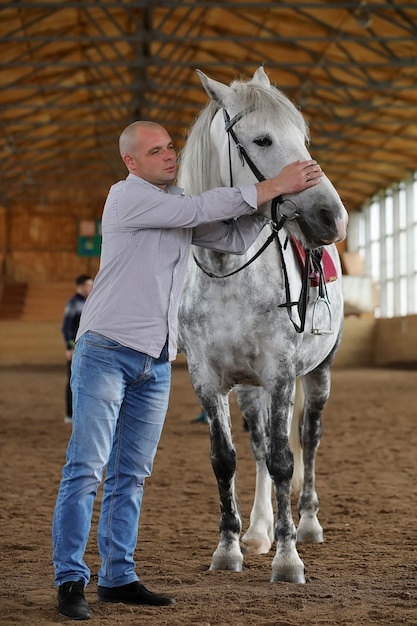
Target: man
point(70, 323)
point(126, 340)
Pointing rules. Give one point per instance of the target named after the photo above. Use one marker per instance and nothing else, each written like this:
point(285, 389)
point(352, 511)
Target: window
point(384, 233)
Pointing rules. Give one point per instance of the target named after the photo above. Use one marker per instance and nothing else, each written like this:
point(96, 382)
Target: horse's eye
point(263, 141)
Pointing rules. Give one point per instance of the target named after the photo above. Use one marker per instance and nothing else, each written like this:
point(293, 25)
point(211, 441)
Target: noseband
point(287, 210)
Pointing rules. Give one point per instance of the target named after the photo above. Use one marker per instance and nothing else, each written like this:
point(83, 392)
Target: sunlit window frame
point(384, 234)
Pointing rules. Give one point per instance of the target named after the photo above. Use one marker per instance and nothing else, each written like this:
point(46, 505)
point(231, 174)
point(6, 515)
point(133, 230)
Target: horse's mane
point(195, 157)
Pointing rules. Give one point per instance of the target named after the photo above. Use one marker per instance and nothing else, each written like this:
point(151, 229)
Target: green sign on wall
point(89, 238)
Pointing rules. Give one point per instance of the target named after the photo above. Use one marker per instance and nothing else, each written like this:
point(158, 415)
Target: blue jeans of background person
point(120, 399)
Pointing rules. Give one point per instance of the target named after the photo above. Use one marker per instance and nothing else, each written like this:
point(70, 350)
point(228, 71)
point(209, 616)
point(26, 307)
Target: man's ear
point(128, 161)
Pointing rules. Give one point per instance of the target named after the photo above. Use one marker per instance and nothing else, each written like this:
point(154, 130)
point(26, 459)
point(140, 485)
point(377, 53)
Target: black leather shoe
point(71, 601)
point(134, 593)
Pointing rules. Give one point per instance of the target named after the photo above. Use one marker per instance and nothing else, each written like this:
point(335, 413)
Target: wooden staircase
point(46, 302)
point(30, 323)
point(12, 300)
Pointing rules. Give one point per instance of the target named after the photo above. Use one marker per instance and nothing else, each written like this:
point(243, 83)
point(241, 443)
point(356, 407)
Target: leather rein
point(312, 258)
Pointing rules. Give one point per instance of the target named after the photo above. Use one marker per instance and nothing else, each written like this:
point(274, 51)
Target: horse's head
point(255, 130)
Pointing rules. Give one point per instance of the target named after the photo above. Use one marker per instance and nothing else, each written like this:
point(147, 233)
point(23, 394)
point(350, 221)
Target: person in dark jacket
point(70, 323)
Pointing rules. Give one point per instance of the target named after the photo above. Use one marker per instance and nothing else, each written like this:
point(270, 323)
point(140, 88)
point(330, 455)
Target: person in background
point(70, 323)
point(121, 370)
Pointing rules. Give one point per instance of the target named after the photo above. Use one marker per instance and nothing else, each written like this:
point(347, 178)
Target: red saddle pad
point(329, 269)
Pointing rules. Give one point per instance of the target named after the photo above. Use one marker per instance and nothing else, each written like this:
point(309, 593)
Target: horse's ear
point(216, 91)
point(260, 77)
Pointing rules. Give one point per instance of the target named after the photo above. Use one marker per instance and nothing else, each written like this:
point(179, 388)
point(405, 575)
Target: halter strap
point(229, 123)
point(276, 227)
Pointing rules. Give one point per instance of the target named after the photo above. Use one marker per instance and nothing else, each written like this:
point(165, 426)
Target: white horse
point(242, 330)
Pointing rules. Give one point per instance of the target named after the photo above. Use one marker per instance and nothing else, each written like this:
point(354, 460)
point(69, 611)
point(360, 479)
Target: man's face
point(153, 158)
point(85, 288)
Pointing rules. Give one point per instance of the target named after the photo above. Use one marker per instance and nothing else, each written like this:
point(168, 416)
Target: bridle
point(312, 262)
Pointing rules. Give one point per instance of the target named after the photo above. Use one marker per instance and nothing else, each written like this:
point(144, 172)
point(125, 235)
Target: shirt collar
point(173, 189)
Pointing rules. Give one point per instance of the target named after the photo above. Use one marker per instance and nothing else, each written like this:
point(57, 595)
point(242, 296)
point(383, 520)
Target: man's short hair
point(81, 279)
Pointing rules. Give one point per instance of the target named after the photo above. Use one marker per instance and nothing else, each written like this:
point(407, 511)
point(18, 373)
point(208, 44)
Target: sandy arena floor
point(364, 573)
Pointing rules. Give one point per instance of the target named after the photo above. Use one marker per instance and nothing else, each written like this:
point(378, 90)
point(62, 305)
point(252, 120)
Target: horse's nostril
point(326, 217)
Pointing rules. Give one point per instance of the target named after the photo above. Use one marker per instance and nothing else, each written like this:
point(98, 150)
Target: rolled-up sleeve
point(250, 195)
point(235, 236)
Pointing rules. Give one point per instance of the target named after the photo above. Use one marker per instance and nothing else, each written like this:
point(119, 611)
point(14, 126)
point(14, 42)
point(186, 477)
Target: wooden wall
point(357, 346)
point(39, 244)
point(395, 342)
point(369, 342)
point(366, 342)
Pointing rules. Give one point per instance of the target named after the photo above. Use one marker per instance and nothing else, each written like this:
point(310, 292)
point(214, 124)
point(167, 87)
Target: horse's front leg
point(286, 565)
point(316, 391)
point(228, 555)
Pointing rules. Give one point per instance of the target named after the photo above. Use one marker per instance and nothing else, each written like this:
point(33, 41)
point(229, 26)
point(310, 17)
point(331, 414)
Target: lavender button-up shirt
point(147, 235)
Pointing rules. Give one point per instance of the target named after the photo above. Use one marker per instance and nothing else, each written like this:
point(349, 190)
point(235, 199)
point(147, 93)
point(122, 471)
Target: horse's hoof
point(309, 537)
point(257, 545)
point(226, 563)
point(288, 568)
point(289, 575)
point(309, 530)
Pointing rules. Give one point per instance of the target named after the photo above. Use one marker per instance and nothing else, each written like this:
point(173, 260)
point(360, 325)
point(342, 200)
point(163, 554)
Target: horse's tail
point(295, 438)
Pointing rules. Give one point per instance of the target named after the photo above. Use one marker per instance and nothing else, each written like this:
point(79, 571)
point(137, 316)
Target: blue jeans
point(120, 399)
